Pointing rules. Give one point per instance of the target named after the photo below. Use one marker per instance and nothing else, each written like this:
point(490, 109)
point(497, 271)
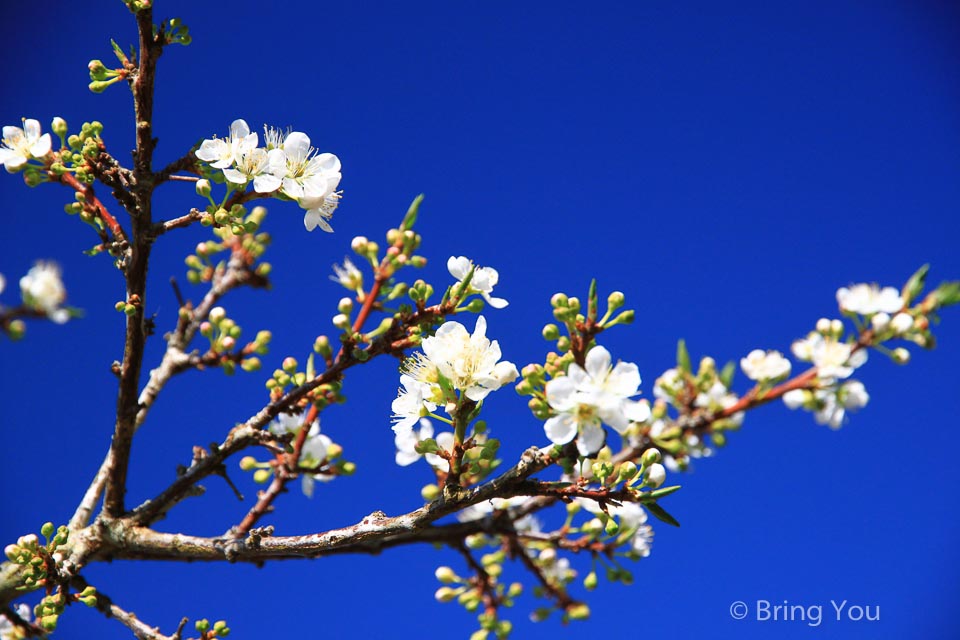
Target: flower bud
point(341, 321)
point(445, 575)
point(430, 492)
point(261, 476)
point(289, 364)
point(579, 611)
point(345, 305)
point(628, 470)
point(590, 582)
point(656, 474)
point(823, 325)
point(203, 188)
point(445, 594)
point(651, 457)
point(228, 343)
point(902, 322)
point(550, 332)
point(559, 300)
point(836, 327)
point(217, 314)
point(900, 355)
point(880, 321)
point(248, 463)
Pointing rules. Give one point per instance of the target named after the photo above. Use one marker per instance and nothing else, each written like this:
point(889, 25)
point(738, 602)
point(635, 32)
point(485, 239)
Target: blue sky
point(726, 169)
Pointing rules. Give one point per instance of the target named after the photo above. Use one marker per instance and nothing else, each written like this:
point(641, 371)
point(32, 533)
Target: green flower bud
point(47, 529)
point(550, 332)
point(579, 611)
point(203, 188)
point(628, 470)
point(476, 305)
point(202, 625)
point(445, 594)
point(289, 365)
point(590, 582)
point(558, 300)
point(59, 126)
point(612, 527)
point(446, 575)
point(260, 476)
point(430, 492)
point(650, 456)
point(250, 364)
point(248, 463)
point(900, 355)
point(348, 468)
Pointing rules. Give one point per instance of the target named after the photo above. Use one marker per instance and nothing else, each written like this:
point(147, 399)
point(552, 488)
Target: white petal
point(561, 393)
point(560, 429)
point(327, 162)
point(306, 484)
point(31, 128)
point(598, 362)
point(637, 411)
point(41, 147)
point(590, 439)
point(458, 267)
point(235, 176)
point(624, 380)
point(496, 303)
point(239, 128)
point(405, 458)
point(266, 183)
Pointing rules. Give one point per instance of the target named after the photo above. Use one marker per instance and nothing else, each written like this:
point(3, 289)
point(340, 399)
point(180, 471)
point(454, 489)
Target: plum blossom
point(585, 398)
point(262, 166)
point(42, 289)
point(348, 275)
point(483, 281)
point(829, 404)
point(867, 299)
point(221, 153)
point(22, 145)
point(314, 450)
point(411, 404)
point(632, 519)
point(320, 210)
point(406, 442)
point(765, 365)
point(832, 358)
point(717, 398)
point(469, 362)
point(306, 173)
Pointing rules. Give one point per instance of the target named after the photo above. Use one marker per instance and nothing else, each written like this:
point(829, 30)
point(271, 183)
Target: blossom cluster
point(453, 361)
point(287, 165)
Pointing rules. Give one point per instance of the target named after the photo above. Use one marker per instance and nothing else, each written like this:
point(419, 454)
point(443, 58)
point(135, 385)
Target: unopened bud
point(260, 476)
point(203, 188)
point(445, 575)
point(651, 456)
point(248, 463)
point(217, 314)
point(656, 474)
point(345, 305)
point(341, 321)
point(579, 611)
point(900, 355)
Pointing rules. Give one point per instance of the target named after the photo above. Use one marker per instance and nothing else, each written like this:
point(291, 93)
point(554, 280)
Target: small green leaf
point(683, 357)
point(727, 373)
point(311, 369)
point(914, 285)
point(592, 302)
point(661, 492)
point(947, 294)
point(411, 217)
point(661, 514)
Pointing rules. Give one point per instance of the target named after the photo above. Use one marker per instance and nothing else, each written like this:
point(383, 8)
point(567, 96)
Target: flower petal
point(560, 429)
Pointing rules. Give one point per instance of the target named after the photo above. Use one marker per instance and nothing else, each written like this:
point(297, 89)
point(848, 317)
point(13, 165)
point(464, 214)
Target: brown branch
point(95, 206)
point(140, 629)
point(141, 83)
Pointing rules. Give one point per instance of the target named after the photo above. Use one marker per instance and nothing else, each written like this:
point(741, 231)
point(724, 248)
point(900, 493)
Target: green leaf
point(311, 369)
point(661, 514)
point(683, 357)
point(914, 285)
point(661, 492)
point(412, 212)
point(592, 303)
point(727, 373)
point(947, 294)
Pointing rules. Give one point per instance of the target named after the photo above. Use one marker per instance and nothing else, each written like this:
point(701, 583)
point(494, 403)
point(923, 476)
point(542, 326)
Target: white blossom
point(867, 299)
point(3, 283)
point(829, 404)
point(21, 145)
point(411, 404)
point(795, 398)
point(668, 385)
point(632, 519)
point(901, 323)
point(406, 442)
point(526, 524)
point(348, 275)
point(320, 210)
point(314, 450)
point(469, 362)
point(43, 289)
point(835, 359)
point(718, 398)
point(483, 281)
point(222, 153)
point(585, 398)
point(765, 365)
point(262, 166)
point(306, 173)
point(656, 475)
